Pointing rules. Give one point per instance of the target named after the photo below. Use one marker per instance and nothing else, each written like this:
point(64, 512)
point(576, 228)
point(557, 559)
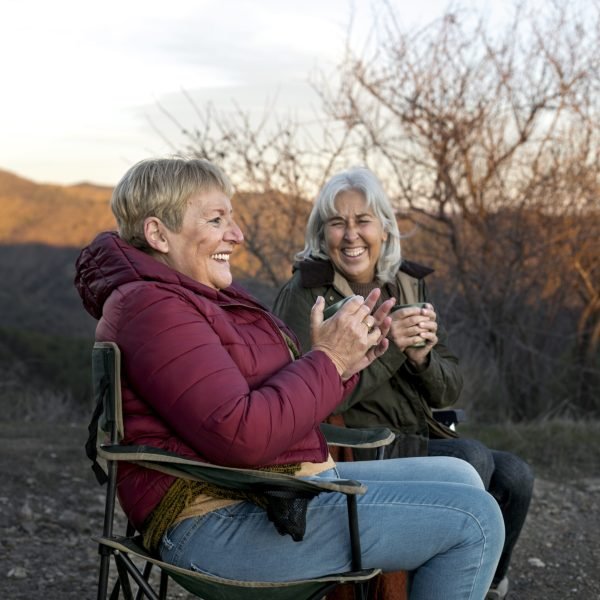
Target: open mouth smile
point(353, 252)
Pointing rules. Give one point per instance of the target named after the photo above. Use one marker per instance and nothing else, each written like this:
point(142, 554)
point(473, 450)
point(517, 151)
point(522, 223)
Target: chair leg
point(360, 589)
point(146, 576)
point(164, 582)
point(359, 592)
point(130, 568)
point(354, 533)
point(115, 591)
point(109, 513)
point(123, 577)
point(104, 569)
point(322, 593)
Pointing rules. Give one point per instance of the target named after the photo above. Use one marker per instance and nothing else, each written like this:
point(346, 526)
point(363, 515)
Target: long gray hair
point(364, 181)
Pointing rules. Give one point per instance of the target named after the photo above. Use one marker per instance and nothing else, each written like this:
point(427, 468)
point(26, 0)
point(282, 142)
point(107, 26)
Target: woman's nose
point(234, 233)
point(350, 233)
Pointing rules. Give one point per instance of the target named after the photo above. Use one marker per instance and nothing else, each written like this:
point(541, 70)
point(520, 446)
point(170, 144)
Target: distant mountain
point(42, 230)
point(52, 214)
point(37, 291)
point(71, 216)
point(45, 333)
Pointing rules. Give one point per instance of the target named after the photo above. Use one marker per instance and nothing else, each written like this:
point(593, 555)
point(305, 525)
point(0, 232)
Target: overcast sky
point(81, 81)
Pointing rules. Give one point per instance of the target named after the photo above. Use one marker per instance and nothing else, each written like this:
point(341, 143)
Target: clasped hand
point(353, 337)
point(411, 325)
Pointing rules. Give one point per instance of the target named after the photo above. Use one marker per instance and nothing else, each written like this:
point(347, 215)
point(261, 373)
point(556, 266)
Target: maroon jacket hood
point(109, 262)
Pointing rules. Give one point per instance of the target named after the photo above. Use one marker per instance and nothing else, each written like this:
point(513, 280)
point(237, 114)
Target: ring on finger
point(369, 321)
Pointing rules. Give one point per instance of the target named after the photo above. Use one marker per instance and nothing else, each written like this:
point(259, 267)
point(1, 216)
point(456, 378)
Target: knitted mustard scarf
point(183, 492)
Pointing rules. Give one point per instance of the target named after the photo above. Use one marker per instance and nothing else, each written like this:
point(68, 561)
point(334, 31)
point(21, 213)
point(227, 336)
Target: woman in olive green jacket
point(375, 400)
point(353, 246)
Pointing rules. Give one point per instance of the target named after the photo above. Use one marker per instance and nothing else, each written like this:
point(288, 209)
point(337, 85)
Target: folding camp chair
point(108, 420)
point(450, 417)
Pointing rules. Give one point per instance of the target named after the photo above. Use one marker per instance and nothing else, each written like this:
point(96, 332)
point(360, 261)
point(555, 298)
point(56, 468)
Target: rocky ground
point(50, 506)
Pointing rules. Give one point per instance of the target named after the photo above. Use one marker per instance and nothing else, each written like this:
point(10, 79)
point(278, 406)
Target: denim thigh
point(430, 516)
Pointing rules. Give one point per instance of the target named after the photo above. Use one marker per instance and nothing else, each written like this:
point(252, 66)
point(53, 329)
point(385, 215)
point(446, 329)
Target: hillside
point(42, 322)
point(43, 227)
point(52, 214)
point(70, 217)
point(41, 231)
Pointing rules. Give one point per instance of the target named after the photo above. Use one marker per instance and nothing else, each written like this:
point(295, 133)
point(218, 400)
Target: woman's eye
point(216, 221)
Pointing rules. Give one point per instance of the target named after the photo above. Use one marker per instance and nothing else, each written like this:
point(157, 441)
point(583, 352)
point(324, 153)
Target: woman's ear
point(155, 235)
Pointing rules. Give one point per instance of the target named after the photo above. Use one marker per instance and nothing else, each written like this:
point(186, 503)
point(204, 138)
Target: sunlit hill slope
point(45, 334)
point(52, 214)
point(43, 227)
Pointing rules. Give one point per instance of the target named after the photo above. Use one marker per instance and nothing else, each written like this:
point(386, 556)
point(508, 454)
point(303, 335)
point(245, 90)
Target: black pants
point(506, 477)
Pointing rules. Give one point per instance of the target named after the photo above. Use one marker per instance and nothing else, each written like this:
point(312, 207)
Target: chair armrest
point(449, 416)
point(371, 437)
point(249, 480)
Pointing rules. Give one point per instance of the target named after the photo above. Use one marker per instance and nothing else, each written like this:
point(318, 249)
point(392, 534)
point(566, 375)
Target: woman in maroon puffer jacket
point(209, 373)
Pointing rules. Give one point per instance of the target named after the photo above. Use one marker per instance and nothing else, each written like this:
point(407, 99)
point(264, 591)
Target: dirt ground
point(51, 506)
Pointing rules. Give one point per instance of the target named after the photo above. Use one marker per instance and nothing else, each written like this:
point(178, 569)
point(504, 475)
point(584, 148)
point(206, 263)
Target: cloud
point(78, 77)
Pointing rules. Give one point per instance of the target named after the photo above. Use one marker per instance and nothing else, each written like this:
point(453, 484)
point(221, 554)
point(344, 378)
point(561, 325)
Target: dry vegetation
point(488, 142)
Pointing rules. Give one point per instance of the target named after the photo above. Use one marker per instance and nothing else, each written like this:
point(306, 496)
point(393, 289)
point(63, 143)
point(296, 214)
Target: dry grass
point(557, 448)
point(28, 404)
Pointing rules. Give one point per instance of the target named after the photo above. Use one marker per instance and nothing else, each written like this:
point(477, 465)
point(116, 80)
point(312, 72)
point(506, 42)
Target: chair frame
point(450, 417)
point(108, 420)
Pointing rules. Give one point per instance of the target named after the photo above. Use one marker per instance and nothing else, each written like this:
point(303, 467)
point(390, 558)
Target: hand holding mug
point(352, 337)
point(414, 330)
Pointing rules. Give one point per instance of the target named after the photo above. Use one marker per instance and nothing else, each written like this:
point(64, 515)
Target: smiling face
point(354, 237)
point(202, 248)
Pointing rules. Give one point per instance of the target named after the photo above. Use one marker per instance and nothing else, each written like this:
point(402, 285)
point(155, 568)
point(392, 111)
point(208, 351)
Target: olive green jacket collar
point(316, 272)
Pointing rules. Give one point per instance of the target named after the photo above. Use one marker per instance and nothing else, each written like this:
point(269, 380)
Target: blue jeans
point(430, 516)
point(506, 476)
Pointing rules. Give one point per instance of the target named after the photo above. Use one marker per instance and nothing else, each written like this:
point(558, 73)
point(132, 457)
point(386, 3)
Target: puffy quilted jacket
point(205, 373)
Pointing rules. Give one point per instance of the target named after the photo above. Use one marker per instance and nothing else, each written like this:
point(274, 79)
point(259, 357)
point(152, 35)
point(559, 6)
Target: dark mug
point(420, 305)
point(331, 310)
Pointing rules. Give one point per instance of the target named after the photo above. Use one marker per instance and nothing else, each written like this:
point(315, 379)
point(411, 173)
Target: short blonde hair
point(161, 187)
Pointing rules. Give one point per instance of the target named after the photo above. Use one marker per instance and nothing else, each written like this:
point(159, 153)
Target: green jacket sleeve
point(440, 383)
point(293, 305)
